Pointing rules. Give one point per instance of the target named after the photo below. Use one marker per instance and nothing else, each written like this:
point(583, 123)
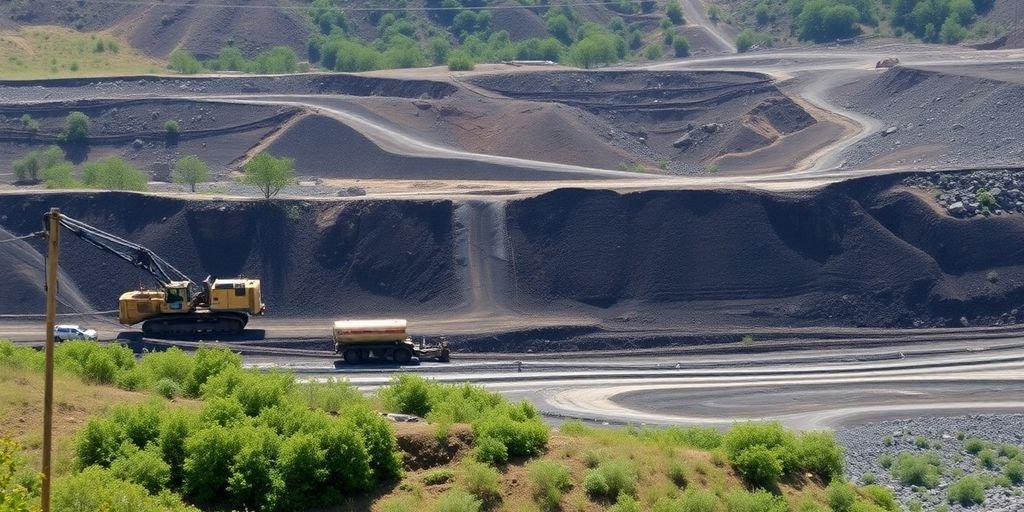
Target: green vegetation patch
point(49, 52)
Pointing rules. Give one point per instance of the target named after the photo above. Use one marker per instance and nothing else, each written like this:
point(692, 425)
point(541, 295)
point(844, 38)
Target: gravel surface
point(936, 119)
point(966, 195)
point(866, 444)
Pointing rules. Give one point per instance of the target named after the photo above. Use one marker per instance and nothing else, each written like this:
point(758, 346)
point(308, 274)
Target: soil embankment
point(865, 253)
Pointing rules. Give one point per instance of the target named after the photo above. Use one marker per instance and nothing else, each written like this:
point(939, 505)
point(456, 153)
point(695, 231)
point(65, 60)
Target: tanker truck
point(361, 341)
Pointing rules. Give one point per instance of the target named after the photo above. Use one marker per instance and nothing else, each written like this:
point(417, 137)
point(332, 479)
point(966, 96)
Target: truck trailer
point(361, 341)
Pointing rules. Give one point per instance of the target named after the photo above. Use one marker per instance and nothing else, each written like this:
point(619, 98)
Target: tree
point(439, 49)
point(231, 59)
point(459, 60)
point(34, 163)
point(29, 124)
point(113, 173)
point(952, 32)
point(60, 176)
point(76, 127)
point(269, 173)
point(189, 171)
point(183, 62)
point(675, 12)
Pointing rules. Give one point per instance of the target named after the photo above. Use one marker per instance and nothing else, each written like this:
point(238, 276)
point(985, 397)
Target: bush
point(681, 46)
point(183, 62)
point(144, 467)
point(277, 60)
point(748, 39)
point(1009, 451)
point(459, 60)
point(702, 438)
point(458, 500)
point(175, 428)
point(885, 460)
point(549, 479)
point(519, 427)
point(881, 496)
point(967, 491)
point(482, 481)
point(113, 173)
point(973, 445)
point(840, 496)
point(1014, 471)
point(14, 497)
point(819, 453)
point(756, 501)
point(439, 476)
point(653, 52)
point(254, 482)
point(98, 489)
point(697, 500)
point(609, 479)
point(759, 466)
point(172, 128)
point(916, 470)
point(596, 49)
point(207, 362)
point(771, 435)
point(36, 163)
point(625, 503)
point(60, 176)
point(29, 124)
point(407, 394)
point(675, 12)
point(987, 458)
point(76, 127)
point(378, 436)
point(167, 388)
point(207, 466)
point(490, 451)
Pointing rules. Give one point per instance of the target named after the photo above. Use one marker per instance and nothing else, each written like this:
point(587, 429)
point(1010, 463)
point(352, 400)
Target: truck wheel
point(444, 357)
point(402, 355)
point(352, 356)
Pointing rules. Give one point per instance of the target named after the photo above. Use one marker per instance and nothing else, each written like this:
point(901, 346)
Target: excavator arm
point(135, 254)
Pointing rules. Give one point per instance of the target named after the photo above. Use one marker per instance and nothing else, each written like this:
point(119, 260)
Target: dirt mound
point(684, 117)
point(315, 259)
point(946, 116)
point(25, 280)
point(1008, 15)
point(847, 255)
point(327, 148)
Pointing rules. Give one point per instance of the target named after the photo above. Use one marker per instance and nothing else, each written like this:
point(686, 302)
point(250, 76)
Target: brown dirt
point(422, 450)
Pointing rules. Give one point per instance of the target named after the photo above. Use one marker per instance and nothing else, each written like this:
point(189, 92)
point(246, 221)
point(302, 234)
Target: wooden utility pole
point(53, 232)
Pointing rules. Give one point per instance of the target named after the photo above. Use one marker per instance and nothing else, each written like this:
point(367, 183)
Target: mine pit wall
point(863, 253)
point(323, 259)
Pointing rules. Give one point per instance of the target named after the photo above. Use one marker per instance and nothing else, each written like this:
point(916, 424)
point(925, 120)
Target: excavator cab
point(178, 295)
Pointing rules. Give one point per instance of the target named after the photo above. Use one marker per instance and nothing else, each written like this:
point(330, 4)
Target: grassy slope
point(21, 411)
point(50, 52)
point(21, 396)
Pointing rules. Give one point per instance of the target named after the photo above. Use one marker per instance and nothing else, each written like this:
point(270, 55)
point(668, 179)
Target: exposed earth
point(769, 235)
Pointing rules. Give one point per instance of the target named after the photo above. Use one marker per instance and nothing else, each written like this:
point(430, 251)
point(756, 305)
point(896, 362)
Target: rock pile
point(966, 195)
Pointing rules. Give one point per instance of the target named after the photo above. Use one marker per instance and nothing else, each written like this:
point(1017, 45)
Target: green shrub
point(60, 176)
point(268, 173)
point(29, 124)
point(518, 426)
point(973, 445)
point(967, 491)
point(140, 424)
point(748, 39)
point(253, 391)
point(681, 46)
point(207, 362)
point(303, 465)
point(653, 52)
point(675, 12)
point(885, 460)
point(697, 500)
point(113, 173)
point(254, 482)
point(1014, 471)
point(921, 442)
point(840, 496)
point(223, 411)
point(183, 62)
point(277, 60)
point(987, 458)
point(144, 467)
point(14, 495)
point(609, 479)
point(917, 470)
point(1009, 451)
point(172, 128)
point(759, 466)
point(98, 489)
point(490, 451)
point(677, 473)
point(482, 481)
point(173, 364)
point(458, 500)
point(549, 479)
point(98, 443)
point(881, 496)
point(771, 435)
point(331, 395)
point(207, 466)
point(167, 388)
point(438, 476)
point(92, 361)
point(756, 501)
point(625, 503)
point(175, 427)
point(407, 394)
point(378, 436)
point(459, 60)
point(819, 453)
point(76, 127)
point(868, 478)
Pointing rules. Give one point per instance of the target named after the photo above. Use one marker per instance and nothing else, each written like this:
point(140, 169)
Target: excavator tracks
point(195, 324)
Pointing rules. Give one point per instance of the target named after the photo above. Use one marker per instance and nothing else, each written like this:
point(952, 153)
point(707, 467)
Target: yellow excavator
point(178, 307)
